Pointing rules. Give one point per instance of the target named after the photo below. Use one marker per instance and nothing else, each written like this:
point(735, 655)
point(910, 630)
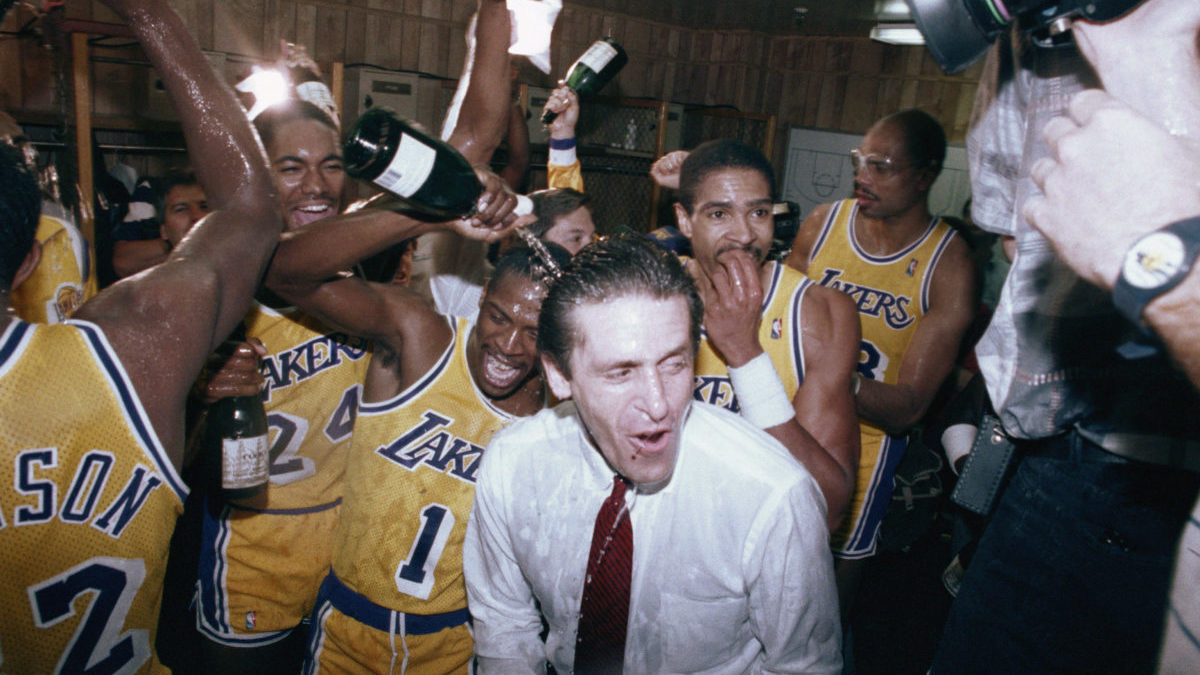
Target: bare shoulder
point(806, 236)
point(954, 277)
point(830, 316)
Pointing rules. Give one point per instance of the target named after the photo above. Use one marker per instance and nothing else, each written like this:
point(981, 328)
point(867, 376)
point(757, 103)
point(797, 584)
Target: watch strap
point(1131, 300)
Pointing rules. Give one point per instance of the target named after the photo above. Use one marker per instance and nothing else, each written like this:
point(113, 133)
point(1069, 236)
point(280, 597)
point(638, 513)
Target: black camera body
point(958, 32)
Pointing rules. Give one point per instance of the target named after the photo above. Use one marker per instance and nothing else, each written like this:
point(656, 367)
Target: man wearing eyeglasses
point(913, 283)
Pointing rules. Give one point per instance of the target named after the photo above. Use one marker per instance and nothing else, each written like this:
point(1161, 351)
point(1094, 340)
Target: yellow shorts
point(259, 572)
point(350, 634)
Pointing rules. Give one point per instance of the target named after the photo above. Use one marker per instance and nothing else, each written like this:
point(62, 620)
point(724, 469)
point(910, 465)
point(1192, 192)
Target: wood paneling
point(835, 82)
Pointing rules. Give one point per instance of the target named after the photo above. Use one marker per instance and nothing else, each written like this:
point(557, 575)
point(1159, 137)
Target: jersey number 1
point(414, 576)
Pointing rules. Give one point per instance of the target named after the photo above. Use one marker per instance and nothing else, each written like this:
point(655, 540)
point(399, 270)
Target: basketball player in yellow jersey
point(261, 563)
point(912, 282)
point(66, 276)
point(774, 347)
point(91, 430)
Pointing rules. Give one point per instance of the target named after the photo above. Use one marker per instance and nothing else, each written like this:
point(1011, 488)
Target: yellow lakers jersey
point(891, 292)
point(64, 279)
point(779, 334)
point(313, 378)
point(90, 506)
point(410, 484)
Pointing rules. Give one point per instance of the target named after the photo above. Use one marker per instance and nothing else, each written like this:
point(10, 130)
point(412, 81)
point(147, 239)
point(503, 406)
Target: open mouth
point(299, 216)
point(499, 372)
point(652, 442)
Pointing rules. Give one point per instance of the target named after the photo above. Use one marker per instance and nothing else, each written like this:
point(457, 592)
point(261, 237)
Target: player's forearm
point(314, 254)
point(834, 475)
point(893, 407)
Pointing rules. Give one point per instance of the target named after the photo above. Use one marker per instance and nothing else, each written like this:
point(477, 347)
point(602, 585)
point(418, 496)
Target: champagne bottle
point(591, 71)
point(422, 172)
point(238, 424)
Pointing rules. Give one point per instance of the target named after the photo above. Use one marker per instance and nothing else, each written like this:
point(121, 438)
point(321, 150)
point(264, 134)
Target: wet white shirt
point(731, 565)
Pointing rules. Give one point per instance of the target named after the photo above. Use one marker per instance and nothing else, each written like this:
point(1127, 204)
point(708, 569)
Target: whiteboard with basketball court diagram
point(818, 171)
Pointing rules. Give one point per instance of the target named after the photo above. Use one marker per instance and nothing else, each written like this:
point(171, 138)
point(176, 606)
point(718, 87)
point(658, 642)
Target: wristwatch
point(1155, 264)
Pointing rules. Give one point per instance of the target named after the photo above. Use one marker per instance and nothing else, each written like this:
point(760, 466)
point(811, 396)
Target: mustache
point(755, 252)
point(859, 188)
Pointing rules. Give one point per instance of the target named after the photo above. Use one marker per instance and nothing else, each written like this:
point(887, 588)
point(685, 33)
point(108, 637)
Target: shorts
point(259, 572)
point(859, 532)
point(351, 634)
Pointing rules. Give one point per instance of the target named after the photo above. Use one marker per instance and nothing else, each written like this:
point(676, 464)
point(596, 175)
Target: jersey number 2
point(98, 645)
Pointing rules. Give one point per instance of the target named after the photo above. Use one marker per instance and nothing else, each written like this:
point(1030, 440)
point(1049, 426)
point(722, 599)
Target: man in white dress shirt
point(731, 570)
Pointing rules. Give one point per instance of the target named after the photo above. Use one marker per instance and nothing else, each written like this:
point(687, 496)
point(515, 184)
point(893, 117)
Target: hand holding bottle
point(496, 210)
point(563, 105)
point(236, 374)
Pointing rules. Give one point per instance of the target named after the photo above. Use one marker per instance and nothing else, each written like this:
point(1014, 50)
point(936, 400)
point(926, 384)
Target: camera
point(958, 32)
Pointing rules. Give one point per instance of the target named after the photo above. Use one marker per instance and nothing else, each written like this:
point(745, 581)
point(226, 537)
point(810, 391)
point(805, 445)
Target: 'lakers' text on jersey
point(86, 523)
point(892, 295)
point(779, 334)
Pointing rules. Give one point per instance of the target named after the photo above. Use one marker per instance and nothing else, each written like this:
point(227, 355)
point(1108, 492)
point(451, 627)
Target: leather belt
point(1161, 450)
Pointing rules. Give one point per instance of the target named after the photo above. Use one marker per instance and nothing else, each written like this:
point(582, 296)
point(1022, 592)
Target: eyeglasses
point(882, 166)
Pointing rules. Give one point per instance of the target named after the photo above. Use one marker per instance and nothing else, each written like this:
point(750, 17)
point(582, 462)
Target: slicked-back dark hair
point(20, 206)
point(613, 267)
point(270, 120)
point(549, 205)
point(924, 137)
point(718, 155)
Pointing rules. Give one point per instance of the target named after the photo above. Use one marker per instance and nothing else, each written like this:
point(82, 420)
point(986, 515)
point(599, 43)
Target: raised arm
point(484, 113)
point(164, 323)
point(933, 350)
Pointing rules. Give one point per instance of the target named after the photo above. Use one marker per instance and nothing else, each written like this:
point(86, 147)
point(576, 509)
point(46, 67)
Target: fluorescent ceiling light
point(892, 10)
point(897, 34)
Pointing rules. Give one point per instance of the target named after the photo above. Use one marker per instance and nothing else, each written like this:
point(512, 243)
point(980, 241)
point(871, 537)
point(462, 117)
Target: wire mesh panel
point(705, 125)
point(618, 140)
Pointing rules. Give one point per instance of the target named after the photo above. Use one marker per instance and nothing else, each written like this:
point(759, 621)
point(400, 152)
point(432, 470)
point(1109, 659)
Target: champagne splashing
point(549, 270)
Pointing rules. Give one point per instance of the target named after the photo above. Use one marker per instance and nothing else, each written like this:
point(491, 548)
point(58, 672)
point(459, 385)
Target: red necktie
point(604, 611)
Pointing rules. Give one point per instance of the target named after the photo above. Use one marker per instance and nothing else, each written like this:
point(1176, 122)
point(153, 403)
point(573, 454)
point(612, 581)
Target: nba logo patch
point(776, 328)
point(251, 620)
point(912, 267)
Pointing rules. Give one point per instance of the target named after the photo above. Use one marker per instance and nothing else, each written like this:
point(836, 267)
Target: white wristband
point(760, 393)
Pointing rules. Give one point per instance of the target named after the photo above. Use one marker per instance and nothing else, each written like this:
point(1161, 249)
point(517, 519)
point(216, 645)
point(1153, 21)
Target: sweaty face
point(572, 231)
point(732, 212)
point(183, 207)
point(631, 380)
point(884, 194)
point(502, 350)
point(309, 174)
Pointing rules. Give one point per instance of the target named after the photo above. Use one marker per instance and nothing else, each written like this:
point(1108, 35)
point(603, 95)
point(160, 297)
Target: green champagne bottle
point(591, 71)
point(237, 426)
point(422, 175)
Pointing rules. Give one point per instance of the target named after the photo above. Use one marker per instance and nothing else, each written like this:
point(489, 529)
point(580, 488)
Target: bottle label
point(244, 462)
point(598, 55)
point(409, 168)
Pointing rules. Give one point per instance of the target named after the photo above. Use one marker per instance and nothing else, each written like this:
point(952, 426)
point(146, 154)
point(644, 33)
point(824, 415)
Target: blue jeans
point(1071, 575)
